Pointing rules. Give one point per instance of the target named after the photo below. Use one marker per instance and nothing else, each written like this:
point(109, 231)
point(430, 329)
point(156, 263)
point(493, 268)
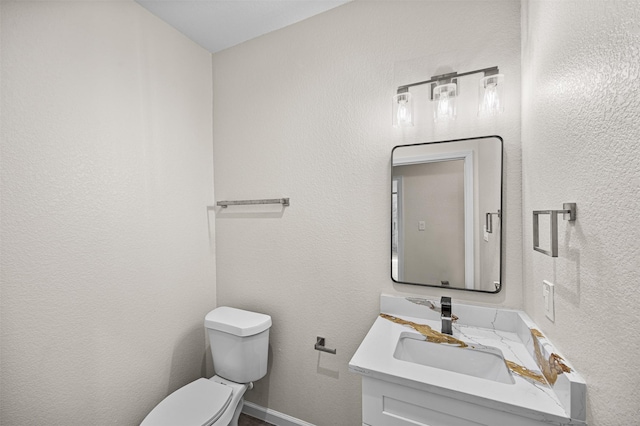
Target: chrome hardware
point(224, 204)
point(319, 346)
point(447, 78)
point(568, 213)
point(445, 314)
point(488, 222)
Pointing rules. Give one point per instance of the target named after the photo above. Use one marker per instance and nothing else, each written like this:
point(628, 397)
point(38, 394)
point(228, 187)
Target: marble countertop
point(545, 387)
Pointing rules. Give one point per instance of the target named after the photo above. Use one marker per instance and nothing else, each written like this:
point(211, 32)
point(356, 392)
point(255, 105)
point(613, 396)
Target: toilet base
point(236, 414)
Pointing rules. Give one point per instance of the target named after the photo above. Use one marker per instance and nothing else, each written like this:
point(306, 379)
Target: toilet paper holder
point(319, 346)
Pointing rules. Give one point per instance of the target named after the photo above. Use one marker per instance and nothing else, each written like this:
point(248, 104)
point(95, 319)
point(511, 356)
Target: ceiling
point(219, 24)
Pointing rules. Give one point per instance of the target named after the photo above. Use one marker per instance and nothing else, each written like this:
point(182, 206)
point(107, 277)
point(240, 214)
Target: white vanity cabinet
point(390, 404)
point(413, 375)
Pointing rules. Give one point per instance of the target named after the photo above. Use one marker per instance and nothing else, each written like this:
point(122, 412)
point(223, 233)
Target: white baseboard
point(271, 416)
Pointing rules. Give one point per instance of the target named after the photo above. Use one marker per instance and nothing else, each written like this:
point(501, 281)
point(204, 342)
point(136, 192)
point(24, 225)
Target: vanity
point(433, 363)
point(496, 368)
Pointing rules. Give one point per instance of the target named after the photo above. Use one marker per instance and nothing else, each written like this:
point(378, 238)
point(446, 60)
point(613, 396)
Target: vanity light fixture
point(444, 90)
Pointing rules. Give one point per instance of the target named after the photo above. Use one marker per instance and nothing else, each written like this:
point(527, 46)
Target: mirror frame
point(501, 217)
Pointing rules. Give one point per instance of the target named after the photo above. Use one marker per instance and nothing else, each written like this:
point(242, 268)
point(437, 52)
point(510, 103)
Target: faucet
point(445, 313)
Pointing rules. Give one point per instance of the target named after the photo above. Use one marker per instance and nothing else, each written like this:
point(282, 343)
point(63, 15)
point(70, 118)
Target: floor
point(251, 421)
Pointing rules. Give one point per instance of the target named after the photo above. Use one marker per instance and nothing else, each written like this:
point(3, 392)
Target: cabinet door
point(389, 404)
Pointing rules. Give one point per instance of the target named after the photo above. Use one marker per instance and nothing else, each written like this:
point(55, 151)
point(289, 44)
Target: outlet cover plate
point(548, 302)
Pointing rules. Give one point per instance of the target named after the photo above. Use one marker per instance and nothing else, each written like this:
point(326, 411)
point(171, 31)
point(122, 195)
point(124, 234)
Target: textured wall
point(107, 263)
point(580, 136)
point(305, 112)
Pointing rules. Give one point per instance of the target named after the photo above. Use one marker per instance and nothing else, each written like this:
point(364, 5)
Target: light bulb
point(444, 96)
point(402, 110)
point(490, 96)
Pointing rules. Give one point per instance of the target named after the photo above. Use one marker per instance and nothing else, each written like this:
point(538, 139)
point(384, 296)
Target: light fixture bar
point(448, 77)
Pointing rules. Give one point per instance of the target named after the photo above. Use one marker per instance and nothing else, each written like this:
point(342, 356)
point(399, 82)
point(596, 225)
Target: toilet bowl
point(239, 346)
point(204, 402)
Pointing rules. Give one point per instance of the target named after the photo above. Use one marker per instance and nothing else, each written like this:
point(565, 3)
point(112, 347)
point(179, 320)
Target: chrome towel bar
point(568, 212)
point(224, 204)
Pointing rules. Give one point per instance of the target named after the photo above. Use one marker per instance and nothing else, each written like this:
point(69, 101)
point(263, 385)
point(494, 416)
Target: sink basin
point(485, 363)
point(497, 369)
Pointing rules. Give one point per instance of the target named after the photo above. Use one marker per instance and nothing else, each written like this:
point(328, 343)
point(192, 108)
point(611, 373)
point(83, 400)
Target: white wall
point(107, 261)
point(580, 136)
point(436, 253)
point(305, 112)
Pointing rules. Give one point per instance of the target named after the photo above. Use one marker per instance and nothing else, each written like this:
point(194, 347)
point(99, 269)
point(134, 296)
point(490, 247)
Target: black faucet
point(445, 313)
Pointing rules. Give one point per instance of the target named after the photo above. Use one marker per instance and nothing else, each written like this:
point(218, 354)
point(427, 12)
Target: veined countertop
point(545, 387)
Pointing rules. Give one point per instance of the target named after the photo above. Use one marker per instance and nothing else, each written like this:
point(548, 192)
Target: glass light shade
point(445, 97)
point(402, 110)
point(491, 100)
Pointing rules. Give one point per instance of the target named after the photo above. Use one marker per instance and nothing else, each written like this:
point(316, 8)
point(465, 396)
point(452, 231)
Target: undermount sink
point(485, 363)
point(497, 368)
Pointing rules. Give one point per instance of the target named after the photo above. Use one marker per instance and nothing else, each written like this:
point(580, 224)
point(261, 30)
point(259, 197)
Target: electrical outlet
point(547, 294)
point(422, 225)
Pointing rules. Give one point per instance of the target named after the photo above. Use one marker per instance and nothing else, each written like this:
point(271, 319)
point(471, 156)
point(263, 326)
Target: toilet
point(239, 346)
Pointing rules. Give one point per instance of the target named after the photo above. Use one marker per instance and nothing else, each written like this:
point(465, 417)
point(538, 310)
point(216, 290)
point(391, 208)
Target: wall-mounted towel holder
point(568, 213)
point(488, 222)
point(224, 204)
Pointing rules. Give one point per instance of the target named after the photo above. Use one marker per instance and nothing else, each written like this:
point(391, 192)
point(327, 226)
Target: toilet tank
point(239, 343)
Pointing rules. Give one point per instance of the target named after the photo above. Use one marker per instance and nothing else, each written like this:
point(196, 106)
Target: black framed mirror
point(446, 214)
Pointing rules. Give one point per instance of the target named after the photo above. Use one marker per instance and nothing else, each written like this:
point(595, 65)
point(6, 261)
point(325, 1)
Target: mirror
point(446, 214)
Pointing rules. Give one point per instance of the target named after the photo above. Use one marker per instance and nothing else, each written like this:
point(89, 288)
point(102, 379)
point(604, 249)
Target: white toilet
point(239, 345)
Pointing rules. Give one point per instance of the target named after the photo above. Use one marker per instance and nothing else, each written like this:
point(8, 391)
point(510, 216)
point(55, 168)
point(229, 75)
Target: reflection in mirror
point(446, 221)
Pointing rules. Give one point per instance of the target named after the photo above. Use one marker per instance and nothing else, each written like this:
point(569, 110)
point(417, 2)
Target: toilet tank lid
point(237, 321)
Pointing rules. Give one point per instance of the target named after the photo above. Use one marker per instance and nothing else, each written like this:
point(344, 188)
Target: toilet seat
point(200, 403)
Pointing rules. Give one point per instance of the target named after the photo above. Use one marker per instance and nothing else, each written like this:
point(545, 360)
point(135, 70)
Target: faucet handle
point(445, 306)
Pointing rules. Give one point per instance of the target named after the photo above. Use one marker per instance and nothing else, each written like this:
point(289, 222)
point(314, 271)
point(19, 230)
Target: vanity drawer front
point(389, 404)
